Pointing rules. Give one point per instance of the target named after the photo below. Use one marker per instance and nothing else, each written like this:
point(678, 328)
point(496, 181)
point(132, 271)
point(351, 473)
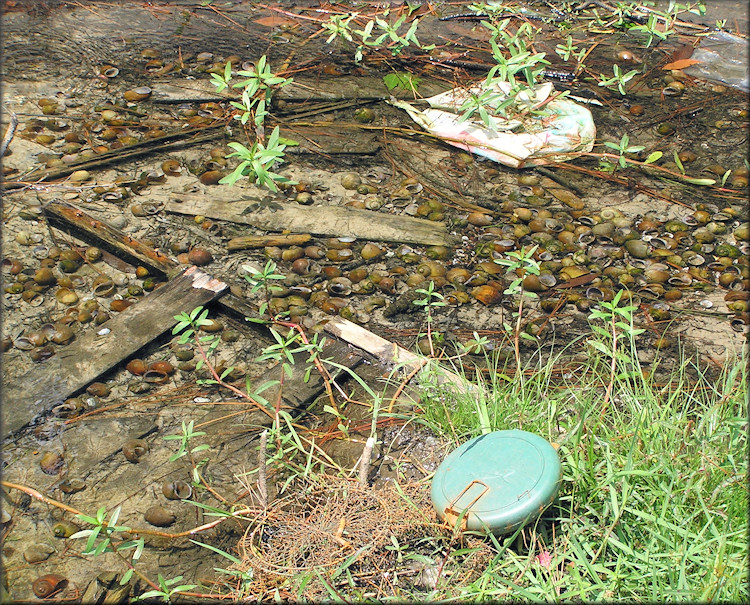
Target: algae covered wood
point(261, 241)
point(301, 89)
point(74, 366)
point(333, 221)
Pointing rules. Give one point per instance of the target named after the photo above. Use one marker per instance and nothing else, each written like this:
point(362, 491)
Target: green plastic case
point(497, 481)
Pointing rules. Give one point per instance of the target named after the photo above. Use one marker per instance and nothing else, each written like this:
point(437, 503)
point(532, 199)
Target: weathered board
point(76, 365)
point(391, 353)
point(333, 221)
point(69, 217)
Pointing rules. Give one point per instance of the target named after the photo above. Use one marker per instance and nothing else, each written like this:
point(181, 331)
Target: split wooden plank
point(91, 229)
point(297, 391)
point(76, 365)
point(391, 353)
point(332, 221)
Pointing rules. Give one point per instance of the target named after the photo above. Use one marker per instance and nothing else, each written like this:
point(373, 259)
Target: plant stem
point(613, 368)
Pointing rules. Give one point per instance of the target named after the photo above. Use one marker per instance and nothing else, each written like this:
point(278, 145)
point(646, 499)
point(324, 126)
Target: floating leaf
point(275, 21)
point(680, 64)
point(693, 181)
point(402, 80)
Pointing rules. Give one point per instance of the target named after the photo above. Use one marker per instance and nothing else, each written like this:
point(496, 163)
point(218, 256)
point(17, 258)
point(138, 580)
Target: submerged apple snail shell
point(49, 584)
point(135, 449)
point(137, 367)
point(159, 516)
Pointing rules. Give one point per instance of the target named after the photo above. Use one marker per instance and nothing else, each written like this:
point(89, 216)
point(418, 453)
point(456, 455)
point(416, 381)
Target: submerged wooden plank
point(76, 365)
point(68, 216)
point(301, 89)
point(334, 221)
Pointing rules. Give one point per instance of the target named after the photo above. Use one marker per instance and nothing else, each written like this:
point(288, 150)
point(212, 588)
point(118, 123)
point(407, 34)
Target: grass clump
point(653, 503)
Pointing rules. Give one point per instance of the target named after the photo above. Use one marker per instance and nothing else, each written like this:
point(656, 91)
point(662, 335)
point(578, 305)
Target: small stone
point(36, 553)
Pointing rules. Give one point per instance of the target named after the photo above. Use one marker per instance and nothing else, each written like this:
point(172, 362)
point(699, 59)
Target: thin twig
point(150, 532)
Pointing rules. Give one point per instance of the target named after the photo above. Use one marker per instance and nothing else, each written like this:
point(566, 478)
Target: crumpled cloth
point(529, 141)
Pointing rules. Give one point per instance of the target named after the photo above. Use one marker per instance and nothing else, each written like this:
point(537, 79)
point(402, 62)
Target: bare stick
point(364, 461)
point(262, 488)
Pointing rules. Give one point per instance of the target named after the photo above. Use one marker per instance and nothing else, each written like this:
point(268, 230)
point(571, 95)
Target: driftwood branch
point(261, 241)
point(8, 136)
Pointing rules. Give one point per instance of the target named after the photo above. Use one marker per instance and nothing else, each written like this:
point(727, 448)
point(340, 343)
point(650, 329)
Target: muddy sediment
point(386, 211)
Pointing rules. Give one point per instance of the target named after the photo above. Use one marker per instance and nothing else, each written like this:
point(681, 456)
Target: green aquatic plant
point(100, 539)
point(519, 262)
point(376, 33)
point(263, 280)
point(618, 80)
point(257, 161)
point(166, 590)
point(431, 300)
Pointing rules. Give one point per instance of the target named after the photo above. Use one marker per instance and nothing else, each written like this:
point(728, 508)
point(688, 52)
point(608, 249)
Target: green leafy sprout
point(102, 531)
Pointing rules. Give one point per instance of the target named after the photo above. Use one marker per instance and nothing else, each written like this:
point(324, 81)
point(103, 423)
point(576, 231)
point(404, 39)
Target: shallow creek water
point(68, 72)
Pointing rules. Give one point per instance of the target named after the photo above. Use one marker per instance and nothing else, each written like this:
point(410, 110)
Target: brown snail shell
point(109, 71)
point(171, 167)
point(51, 463)
point(314, 252)
point(135, 449)
point(292, 253)
point(48, 585)
point(479, 219)
point(42, 353)
point(350, 180)
point(44, 277)
point(200, 257)
point(176, 490)
point(341, 255)
point(103, 286)
point(159, 516)
point(70, 408)
point(158, 372)
point(486, 294)
point(162, 366)
point(139, 93)
point(211, 177)
point(137, 367)
point(71, 486)
point(358, 274)
point(214, 325)
point(98, 389)
point(120, 305)
point(340, 286)
point(301, 266)
point(457, 275)
point(371, 251)
point(184, 353)
point(66, 296)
